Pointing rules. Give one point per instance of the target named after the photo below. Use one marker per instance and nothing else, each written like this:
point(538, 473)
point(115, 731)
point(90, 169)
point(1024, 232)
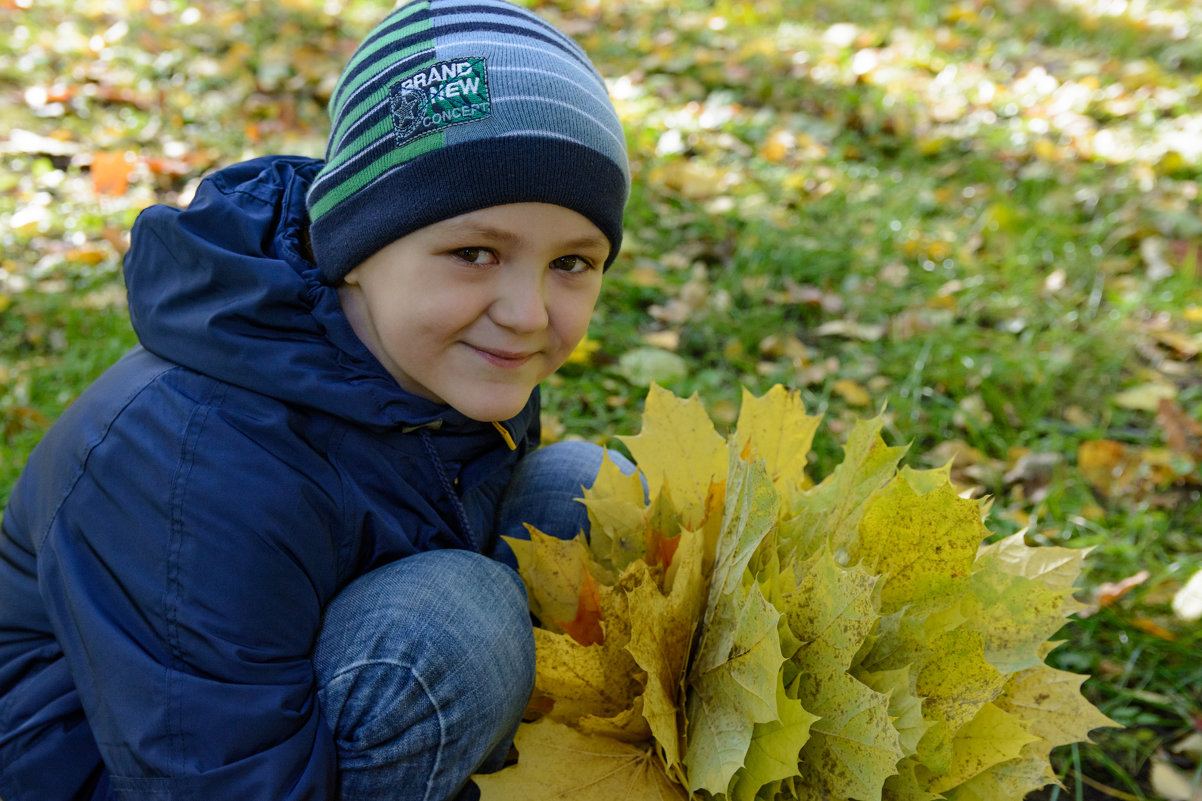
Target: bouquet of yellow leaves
point(748, 634)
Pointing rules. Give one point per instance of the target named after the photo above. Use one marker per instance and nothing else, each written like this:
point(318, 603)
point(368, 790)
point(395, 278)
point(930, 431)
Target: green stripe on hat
point(360, 143)
point(349, 118)
point(358, 180)
point(341, 91)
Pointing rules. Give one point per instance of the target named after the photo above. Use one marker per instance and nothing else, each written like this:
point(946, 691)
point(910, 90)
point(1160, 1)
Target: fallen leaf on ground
point(1145, 397)
point(1101, 462)
point(852, 392)
point(1172, 783)
point(851, 330)
point(647, 365)
point(1182, 433)
point(110, 173)
point(1190, 745)
point(1033, 472)
point(1187, 603)
point(1110, 592)
point(1150, 626)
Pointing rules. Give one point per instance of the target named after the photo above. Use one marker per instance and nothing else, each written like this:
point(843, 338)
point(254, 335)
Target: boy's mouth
point(504, 358)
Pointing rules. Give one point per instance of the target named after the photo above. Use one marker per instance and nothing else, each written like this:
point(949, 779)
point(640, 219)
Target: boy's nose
point(521, 303)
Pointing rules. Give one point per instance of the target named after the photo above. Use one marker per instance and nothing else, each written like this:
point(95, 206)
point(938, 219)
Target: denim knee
point(424, 667)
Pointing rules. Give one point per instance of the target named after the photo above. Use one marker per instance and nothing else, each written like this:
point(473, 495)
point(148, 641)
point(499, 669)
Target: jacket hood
point(224, 288)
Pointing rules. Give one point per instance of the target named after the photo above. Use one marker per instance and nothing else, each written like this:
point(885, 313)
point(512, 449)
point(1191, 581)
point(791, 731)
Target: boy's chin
point(488, 407)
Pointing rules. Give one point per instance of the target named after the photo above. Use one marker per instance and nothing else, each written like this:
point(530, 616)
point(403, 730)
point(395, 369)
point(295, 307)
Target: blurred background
point(979, 217)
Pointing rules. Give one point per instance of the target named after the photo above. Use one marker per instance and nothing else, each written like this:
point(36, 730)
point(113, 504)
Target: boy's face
point(475, 310)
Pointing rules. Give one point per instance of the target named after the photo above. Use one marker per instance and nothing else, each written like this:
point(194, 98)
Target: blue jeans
point(425, 665)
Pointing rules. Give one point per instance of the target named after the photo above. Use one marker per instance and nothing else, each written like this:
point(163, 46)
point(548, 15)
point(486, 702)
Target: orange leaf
point(666, 550)
point(538, 706)
point(663, 530)
point(110, 173)
point(1153, 628)
point(59, 93)
point(585, 628)
point(171, 167)
point(1110, 592)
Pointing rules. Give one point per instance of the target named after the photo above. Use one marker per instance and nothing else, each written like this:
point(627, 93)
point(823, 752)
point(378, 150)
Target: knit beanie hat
point(452, 106)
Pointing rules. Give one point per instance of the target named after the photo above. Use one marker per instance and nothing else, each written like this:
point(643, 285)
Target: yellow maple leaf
point(775, 747)
point(831, 511)
point(853, 747)
point(732, 679)
point(552, 570)
point(1014, 778)
point(616, 516)
point(1056, 567)
point(924, 543)
point(678, 444)
point(955, 683)
point(832, 611)
point(731, 687)
point(628, 726)
point(1014, 614)
point(751, 507)
point(661, 636)
point(558, 763)
point(1050, 704)
point(905, 708)
point(779, 432)
point(599, 680)
point(993, 736)
point(905, 785)
point(585, 628)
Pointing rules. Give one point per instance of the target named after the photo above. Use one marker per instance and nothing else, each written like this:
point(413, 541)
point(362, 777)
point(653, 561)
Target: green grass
point(971, 190)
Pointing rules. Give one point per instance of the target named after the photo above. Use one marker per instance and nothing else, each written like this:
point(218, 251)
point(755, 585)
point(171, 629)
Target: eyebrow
point(504, 235)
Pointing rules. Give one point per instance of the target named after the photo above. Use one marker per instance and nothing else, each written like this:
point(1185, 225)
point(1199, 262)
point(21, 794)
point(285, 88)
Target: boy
point(258, 558)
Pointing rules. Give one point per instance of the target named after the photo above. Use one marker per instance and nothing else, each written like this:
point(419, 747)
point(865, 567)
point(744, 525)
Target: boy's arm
point(187, 602)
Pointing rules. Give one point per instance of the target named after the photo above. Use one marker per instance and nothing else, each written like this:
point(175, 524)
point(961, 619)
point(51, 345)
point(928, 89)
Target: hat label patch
point(436, 97)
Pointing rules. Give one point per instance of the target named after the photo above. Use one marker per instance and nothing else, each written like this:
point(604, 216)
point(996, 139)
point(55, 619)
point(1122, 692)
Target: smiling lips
point(504, 358)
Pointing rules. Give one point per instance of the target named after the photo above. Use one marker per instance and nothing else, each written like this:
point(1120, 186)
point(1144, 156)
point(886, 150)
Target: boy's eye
point(572, 264)
point(474, 255)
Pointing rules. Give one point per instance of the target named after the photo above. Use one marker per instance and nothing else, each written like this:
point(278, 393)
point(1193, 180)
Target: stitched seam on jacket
point(345, 546)
point(172, 588)
point(91, 446)
point(220, 183)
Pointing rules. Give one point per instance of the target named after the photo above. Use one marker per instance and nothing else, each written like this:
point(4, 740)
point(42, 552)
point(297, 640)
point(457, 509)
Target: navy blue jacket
point(167, 553)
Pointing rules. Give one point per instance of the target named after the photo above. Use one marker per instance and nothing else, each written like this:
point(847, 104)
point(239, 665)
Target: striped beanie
point(452, 106)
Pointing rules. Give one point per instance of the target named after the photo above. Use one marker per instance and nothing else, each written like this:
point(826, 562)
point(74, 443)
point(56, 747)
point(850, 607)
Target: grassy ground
point(981, 216)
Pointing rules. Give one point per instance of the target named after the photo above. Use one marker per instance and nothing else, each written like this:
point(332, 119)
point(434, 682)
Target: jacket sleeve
point(185, 577)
